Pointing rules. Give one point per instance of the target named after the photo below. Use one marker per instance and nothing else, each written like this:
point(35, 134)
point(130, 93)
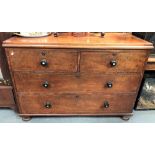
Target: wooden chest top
point(109, 41)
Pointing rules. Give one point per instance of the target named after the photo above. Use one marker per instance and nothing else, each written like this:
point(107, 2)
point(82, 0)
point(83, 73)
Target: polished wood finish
point(30, 82)
point(30, 60)
point(109, 41)
point(69, 75)
point(101, 61)
point(76, 104)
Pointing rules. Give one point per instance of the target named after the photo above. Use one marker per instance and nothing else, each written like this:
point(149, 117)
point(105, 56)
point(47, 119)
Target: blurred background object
point(6, 91)
point(32, 34)
point(3, 63)
point(149, 36)
point(146, 97)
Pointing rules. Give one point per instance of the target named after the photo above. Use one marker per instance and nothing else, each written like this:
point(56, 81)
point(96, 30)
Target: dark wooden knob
point(113, 63)
point(48, 105)
point(55, 34)
point(44, 62)
point(109, 84)
point(102, 34)
point(45, 84)
point(106, 104)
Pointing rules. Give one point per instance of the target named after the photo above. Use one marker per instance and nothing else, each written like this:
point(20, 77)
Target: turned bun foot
point(26, 118)
point(125, 118)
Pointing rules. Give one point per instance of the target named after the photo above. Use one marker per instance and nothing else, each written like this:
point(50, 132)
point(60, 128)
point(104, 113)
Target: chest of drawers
point(65, 76)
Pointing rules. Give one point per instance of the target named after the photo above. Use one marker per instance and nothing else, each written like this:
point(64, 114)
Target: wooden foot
point(125, 118)
point(26, 118)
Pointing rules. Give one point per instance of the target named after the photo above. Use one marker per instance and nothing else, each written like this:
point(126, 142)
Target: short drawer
point(76, 104)
point(54, 60)
point(47, 82)
point(112, 61)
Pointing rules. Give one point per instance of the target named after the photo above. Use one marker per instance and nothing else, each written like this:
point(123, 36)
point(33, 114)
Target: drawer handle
point(45, 84)
point(109, 84)
point(48, 105)
point(106, 104)
point(113, 63)
point(44, 62)
point(55, 34)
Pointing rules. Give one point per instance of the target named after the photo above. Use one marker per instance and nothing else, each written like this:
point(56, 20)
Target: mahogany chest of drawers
point(67, 75)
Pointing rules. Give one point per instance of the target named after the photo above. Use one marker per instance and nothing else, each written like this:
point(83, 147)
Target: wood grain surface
point(109, 41)
point(77, 73)
point(33, 82)
point(76, 104)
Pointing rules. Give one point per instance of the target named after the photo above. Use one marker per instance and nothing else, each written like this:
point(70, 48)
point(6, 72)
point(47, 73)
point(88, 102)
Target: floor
point(9, 116)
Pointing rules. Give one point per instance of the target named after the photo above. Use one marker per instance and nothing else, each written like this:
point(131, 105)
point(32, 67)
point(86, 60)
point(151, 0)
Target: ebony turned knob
point(106, 104)
point(44, 62)
point(48, 105)
point(45, 84)
point(109, 84)
point(102, 34)
point(113, 63)
point(55, 34)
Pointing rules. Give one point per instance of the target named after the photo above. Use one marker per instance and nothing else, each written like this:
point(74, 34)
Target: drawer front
point(45, 83)
point(54, 60)
point(76, 104)
point(108, 61)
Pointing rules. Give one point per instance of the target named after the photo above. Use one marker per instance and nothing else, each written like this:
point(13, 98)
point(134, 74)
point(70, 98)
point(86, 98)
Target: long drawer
point(111, 61)
point(54, 60)
point(76, 103)
point(47, 82)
